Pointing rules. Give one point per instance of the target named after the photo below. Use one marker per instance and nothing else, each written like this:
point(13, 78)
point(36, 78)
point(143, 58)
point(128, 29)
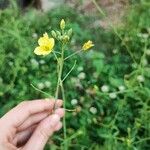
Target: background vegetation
point(109, 88)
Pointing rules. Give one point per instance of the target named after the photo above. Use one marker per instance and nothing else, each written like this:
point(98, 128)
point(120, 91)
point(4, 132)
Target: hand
point(29, 125)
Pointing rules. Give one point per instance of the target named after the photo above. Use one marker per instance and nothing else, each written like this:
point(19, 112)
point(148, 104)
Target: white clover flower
point(115, 51)
point(145, 62)
point(112, 95)
point(10, 63)
point(121, 88)
point(42, 62)
point(145, 35)
point(140, 78)
point(80, 68)
point(81, 75)
point(47, 84)
point(74, 102)
point(34, 62)
point(95, 75)
point(34, 35)
point(40, 86)
point(148, 52)
point(93, 110)
point(105, 88)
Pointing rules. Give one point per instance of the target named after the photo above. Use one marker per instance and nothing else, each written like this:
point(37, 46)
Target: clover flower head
point(93, 110)
point(148, 52)
point(47, 84)
point(112, 95)
point(121, 88)
point(87, 45)
point(40, 86)
point(46, 45)
point(105, 88)
point(34, 62)
point(74, 102)
point(140, 78)
point(81, 75)
point(34, 35)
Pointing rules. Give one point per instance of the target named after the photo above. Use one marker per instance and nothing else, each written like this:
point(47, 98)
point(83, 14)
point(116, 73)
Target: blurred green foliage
point(110, 83)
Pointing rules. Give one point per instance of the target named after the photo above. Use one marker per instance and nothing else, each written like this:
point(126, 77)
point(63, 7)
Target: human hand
point(29, 125)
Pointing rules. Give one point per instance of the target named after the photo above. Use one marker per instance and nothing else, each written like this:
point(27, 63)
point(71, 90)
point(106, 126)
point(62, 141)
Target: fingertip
point(60, 112)
point(58, 126)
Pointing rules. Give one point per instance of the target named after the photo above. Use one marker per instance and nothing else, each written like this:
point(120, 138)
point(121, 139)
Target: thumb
point(42, 133)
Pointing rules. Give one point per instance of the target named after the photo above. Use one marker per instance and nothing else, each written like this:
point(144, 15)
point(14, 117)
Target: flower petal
point(41, 51)
point(51, 43)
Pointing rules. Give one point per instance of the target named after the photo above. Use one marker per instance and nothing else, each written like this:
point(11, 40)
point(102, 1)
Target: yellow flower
point(87, 45)
point(62, 24)
point(46, 45)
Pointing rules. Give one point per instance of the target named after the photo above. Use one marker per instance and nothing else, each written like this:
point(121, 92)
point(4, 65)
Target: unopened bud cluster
point(63, 35)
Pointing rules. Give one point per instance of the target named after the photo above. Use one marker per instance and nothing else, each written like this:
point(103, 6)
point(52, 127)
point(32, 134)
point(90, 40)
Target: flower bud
point(58, 33)
point(62, 24)
point(70, 32)
point(65, 38)
point(53, 34)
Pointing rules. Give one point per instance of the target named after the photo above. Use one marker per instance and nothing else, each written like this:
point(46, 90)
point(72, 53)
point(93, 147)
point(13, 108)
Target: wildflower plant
point(46, 46)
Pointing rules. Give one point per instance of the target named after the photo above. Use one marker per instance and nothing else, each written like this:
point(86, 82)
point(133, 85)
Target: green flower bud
point(53, 33)
point(62, 24)
point(65, 38)
point(70, 32)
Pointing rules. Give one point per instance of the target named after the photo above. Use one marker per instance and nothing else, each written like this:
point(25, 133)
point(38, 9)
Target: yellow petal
point(51, 42)
point(87, 45)
point(41, 51)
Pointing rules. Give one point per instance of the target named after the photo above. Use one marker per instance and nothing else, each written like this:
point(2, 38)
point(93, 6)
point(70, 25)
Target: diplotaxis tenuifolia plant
point(47, 46)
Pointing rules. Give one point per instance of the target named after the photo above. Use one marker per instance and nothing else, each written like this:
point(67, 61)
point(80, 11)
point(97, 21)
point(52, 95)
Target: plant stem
point(60, 64)
point(73, 54)
point(60, 85)
point(63, 96)
point(64, 119)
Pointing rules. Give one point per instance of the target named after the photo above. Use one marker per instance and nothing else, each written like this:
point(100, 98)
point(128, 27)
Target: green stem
point(60, 64)
point(99, 8)
point(64, 119)
point(40, 91)
point(60, 86)
point(64, 99)
point(73, 54)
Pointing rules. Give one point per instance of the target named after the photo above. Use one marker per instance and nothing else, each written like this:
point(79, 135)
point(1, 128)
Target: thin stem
point(73, 54)
point(142, 140)
point(64, 99)
point(99, 8)
point(69, 71)
point(64, 119)
point(60, 68)
point(55, 56)
point(60, 64)
point(72, 137)
point(40, 90)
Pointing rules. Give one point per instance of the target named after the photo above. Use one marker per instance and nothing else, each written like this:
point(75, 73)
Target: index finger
point(20, 113)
